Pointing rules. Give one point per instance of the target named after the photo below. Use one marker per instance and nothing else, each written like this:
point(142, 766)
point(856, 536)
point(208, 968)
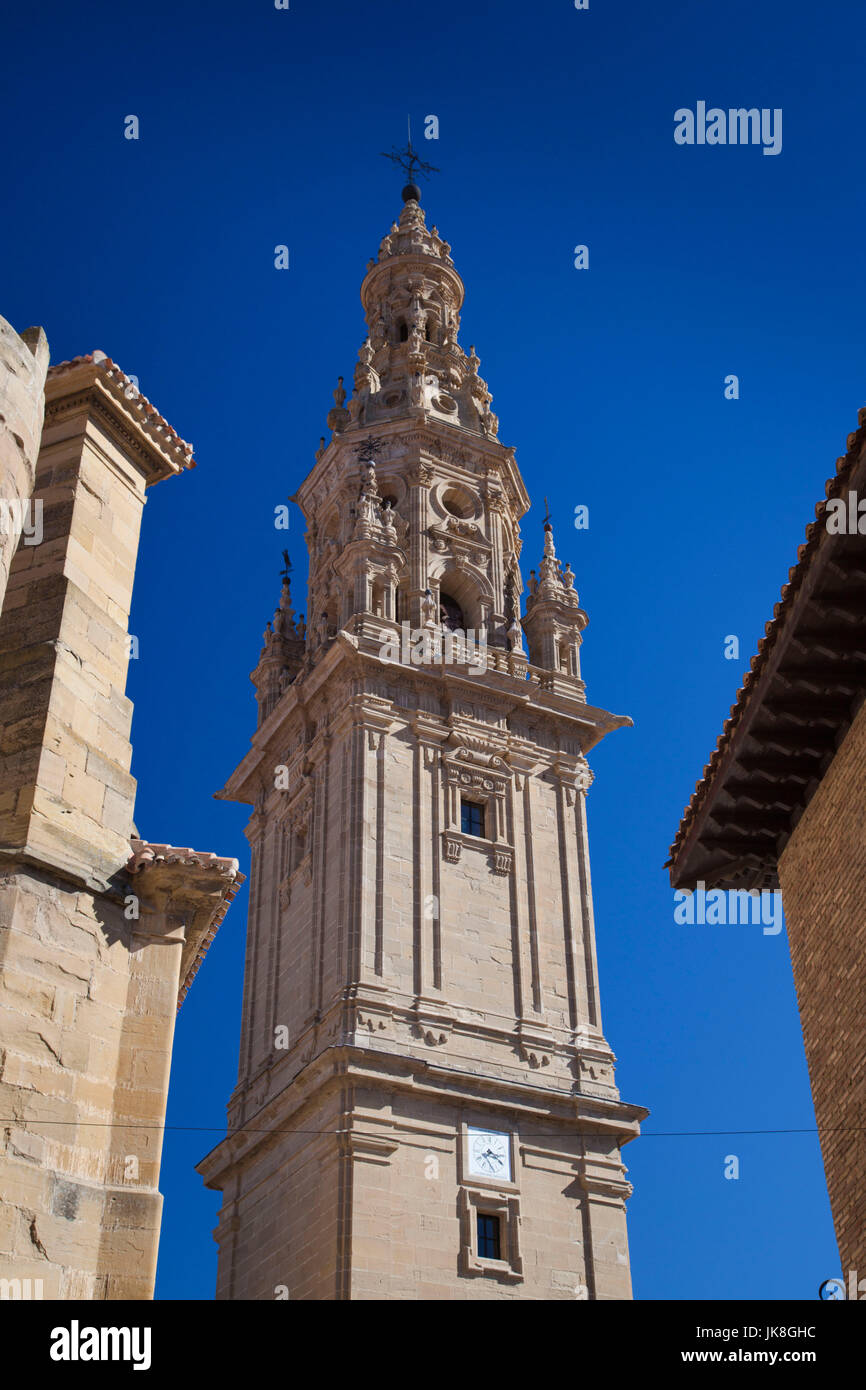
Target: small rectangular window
point(488, 1237)
point(471, 818)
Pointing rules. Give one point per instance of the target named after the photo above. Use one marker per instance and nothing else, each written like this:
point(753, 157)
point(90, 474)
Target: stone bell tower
point(425, 1106)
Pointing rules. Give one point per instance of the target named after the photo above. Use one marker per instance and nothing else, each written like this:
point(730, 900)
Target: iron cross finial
point(546, 513)
point(370, 447)
point(409, 160)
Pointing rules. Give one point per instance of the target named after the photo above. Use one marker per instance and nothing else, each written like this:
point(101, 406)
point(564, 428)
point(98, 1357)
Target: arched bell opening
point(451, 614)
point(469, 595)
point(567, 656)
point(380, 598)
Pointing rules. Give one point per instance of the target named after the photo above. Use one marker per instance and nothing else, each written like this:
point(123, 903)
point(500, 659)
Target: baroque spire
point(283, 651)
point(411, 361)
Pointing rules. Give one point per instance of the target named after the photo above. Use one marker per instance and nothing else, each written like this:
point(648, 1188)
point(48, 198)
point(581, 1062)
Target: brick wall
point(823, 878)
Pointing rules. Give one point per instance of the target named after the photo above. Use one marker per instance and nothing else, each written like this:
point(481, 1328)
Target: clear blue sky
point(261, 127)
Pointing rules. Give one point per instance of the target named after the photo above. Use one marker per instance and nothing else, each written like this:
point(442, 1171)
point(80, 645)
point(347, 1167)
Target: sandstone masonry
point(23, 364)
point(426, 1105)
point(100, 932)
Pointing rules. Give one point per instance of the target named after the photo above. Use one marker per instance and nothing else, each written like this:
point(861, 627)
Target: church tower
point(426, 1106)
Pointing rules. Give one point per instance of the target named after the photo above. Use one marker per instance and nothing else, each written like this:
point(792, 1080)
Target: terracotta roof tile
point(121, 384)
point(146, 855)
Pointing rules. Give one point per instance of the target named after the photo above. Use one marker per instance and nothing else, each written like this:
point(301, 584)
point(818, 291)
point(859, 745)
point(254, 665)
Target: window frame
point(488, 1230)
point(482, 808)
point(505, 1206)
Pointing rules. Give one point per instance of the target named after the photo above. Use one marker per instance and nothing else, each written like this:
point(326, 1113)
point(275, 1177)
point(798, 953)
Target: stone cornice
point(114, 403)
point(614, 1120)
point(382, 274)
point(424, 438)
point(495, 689)
point(181, 884)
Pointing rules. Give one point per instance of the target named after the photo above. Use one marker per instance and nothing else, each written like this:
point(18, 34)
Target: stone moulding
point(507, 1208)
point(368, 1148)
point(605, 1121)
point(501, 857)
point(429, 1022)
point(535, 1044)
point(589, 722)
point(70, 387)
point(375, 1018)
point(196, 887)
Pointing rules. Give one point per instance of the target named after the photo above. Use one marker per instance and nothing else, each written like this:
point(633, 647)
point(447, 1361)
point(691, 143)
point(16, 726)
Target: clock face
point(489, 1154)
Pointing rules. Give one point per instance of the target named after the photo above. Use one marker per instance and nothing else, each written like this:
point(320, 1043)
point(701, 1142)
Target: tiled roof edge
point(154, 424)
point(796, 576)
point(144, 854)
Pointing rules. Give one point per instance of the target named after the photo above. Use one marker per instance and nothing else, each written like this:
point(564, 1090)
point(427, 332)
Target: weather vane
point(409, 161)
point(287, 567)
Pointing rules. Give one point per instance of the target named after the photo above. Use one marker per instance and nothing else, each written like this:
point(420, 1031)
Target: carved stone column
point(419, 479)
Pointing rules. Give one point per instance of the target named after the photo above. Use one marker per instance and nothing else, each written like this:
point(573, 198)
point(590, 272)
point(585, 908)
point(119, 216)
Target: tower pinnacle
point(411, 359)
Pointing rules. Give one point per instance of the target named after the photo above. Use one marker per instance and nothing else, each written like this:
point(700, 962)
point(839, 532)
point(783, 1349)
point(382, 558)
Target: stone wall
point(100, 933)
point(279, 1228)
point(64, 749)
point(23, 364)
point(86, 1024)
point(404, 980)
point(356, 1187)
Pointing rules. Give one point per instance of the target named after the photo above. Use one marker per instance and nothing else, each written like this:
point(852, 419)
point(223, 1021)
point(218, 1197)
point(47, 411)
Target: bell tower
point(425, 1106)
